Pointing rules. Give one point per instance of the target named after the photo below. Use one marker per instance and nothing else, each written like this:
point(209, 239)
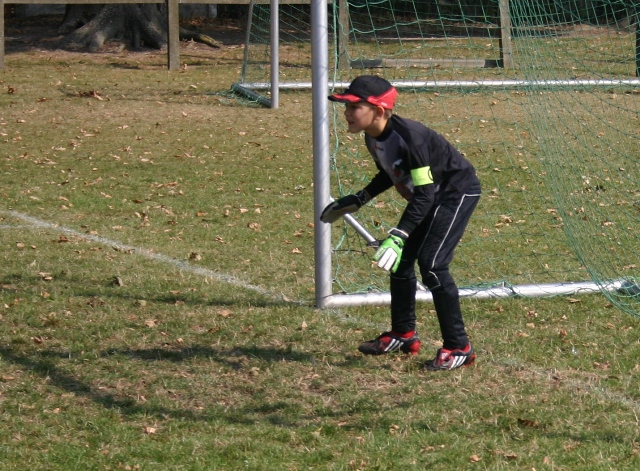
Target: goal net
point(543, 97)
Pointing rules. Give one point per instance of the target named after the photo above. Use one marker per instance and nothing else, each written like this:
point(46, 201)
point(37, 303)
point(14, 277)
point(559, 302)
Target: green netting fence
point(549, 117)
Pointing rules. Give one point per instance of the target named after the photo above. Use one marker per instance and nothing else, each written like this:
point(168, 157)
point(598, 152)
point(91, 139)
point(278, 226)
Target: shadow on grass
point(238, 298)
point(103, 289)
point(46, 364)
point(225, 357)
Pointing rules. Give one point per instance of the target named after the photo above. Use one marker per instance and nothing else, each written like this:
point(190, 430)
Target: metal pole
point(359, 228)
point(528, 291)
point(275, 55)
point(321, 154)
point(251, 95)
point(418, 84)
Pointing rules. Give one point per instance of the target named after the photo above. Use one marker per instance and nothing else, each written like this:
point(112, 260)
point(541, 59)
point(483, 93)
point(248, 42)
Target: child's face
point(363, 117)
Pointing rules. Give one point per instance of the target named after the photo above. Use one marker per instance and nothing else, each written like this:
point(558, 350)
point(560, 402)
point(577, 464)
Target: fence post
point(173, 33)
point(343, 33)
point(506, 48)
point(637, 44)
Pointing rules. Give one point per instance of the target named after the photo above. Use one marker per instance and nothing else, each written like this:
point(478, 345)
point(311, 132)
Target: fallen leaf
point(528, 423)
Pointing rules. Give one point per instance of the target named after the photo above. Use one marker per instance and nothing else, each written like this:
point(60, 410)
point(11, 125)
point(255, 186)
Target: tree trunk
point(142, 24)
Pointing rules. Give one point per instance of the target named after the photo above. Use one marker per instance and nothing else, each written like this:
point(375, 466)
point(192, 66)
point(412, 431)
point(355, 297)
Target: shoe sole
point(469, 362)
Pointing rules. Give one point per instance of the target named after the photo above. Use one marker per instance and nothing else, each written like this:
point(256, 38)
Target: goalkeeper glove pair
point(389, 253)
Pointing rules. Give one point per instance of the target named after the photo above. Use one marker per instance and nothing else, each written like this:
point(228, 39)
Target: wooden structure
point(173, 40)
point(173, 18)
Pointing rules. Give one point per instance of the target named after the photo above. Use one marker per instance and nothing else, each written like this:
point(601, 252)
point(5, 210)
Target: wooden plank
point(186, 2)
point(246, 2)
point(64, 2)
point(426, 63)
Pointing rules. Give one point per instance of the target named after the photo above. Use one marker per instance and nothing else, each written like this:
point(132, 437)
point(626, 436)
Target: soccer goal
point(542, 97)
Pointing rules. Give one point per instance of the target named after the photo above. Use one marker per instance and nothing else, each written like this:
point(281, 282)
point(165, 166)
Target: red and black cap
point(369, 88)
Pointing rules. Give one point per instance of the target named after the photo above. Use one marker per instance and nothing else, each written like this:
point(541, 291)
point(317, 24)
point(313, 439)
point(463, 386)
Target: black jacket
point(407, 145)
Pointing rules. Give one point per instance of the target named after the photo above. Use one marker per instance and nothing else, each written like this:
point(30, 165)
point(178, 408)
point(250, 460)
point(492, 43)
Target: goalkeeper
point(441, 189)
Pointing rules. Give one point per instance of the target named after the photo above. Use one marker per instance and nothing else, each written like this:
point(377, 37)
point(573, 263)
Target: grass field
point(156, 301)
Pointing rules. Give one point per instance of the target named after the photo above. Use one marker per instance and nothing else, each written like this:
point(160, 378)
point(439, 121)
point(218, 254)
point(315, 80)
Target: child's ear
point(380, 112)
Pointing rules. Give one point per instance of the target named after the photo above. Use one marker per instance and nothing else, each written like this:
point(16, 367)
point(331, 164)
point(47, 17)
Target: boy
point(442, 191)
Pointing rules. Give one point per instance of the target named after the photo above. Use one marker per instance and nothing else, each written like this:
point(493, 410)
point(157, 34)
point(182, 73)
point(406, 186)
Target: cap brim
point(346, 98)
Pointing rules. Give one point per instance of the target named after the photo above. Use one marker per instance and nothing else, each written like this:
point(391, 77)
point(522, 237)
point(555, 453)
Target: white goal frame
point(325, 298)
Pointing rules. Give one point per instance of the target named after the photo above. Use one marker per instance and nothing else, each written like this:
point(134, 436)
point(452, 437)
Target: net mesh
point(549, 119)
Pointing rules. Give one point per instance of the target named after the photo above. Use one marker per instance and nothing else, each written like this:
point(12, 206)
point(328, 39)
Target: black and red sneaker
point(451, 359)
point(391, 342)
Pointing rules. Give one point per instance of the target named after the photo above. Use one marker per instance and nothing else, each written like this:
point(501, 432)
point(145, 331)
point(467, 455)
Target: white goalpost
point(325, 298)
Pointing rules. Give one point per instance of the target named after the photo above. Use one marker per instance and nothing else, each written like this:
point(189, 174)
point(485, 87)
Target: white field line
point(158, 257)
point(180, 264)
point(586, 388)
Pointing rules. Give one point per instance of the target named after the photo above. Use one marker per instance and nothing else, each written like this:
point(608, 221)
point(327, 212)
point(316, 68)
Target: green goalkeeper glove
point(389, 253)
point(345, 205)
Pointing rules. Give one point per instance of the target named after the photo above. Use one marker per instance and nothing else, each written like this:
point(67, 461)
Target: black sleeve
point(418, 151)
point(418, 208)
point(378, 184)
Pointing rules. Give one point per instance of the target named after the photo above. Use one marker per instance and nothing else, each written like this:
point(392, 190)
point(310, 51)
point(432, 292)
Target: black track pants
point(432, 245)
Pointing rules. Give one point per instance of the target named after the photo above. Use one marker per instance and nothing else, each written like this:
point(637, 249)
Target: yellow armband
point(421, 176)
